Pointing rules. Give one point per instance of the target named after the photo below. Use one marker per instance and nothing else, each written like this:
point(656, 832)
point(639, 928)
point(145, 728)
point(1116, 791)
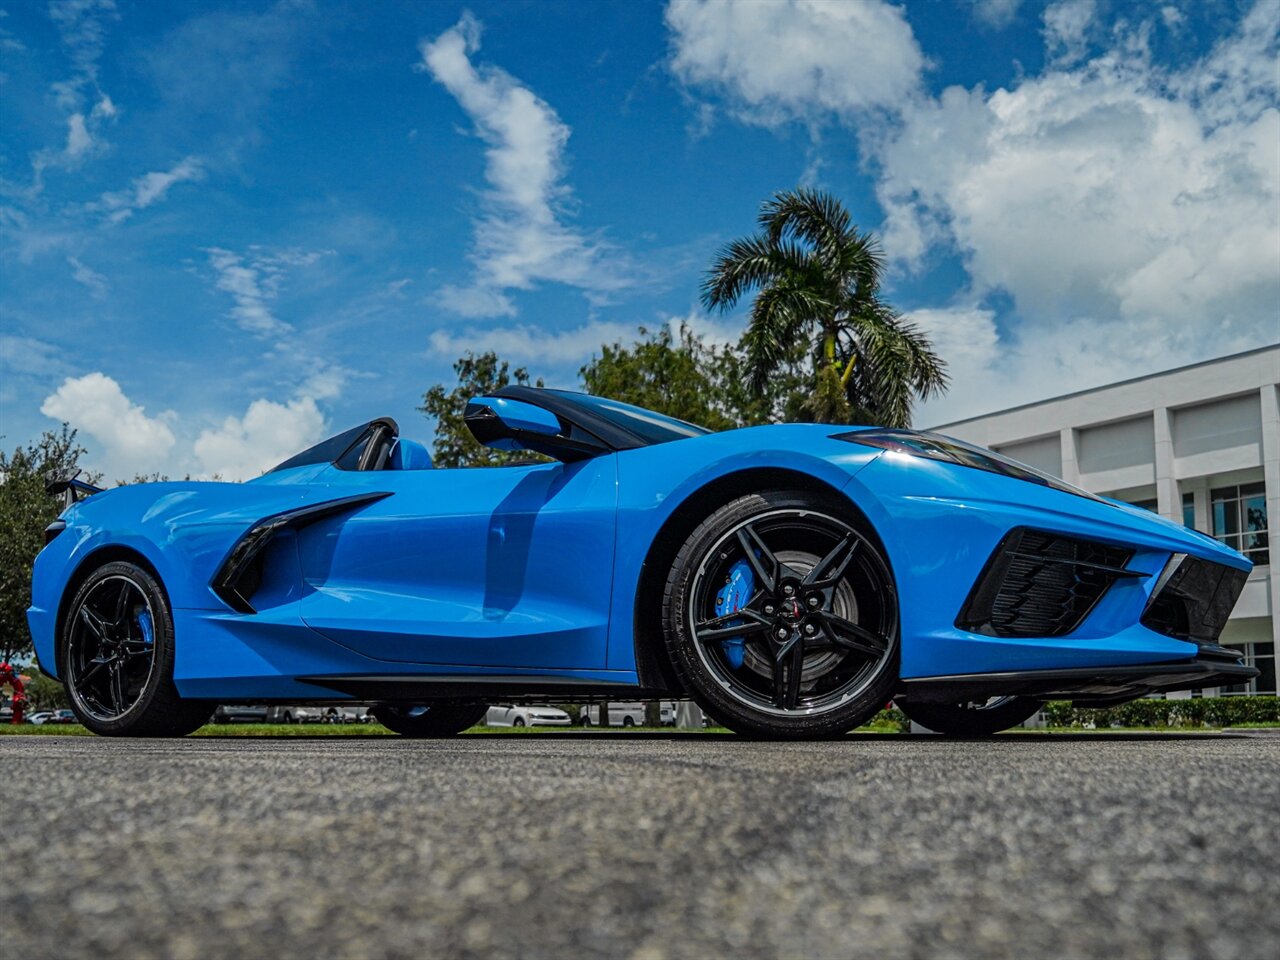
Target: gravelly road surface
point(645, 847)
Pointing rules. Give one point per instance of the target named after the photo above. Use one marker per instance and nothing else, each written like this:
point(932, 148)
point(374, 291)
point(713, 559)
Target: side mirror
point(515, 415)
point(505, 423)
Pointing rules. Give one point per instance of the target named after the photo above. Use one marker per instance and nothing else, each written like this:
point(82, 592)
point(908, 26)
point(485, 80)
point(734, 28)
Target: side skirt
point(1096, 686)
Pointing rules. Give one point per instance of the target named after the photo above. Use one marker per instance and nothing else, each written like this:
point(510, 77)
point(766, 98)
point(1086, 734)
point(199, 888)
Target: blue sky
point(230, 229)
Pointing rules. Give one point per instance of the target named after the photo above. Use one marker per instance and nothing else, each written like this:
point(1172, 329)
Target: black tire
point(584, 721)
point(518, 722)
point(287, 718)
point(628, 722)
point(971, 719)
point(836, 630)
point(443, 719)
point(116, 653)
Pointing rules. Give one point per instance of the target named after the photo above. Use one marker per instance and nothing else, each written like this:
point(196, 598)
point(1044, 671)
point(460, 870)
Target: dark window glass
point(1239, 517)
point(1189, 510)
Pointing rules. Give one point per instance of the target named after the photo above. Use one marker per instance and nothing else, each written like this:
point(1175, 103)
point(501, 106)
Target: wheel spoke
point(117, 686)
point(751, 542)
point(728, 632)
point(96, 665)
point(97, 626)
point(828, 571)
point(849, 635)
point(122, 607)
point(788, 665)
point(794, 673)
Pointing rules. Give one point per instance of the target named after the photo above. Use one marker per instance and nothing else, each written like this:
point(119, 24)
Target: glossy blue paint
point(533, 571)
point(519, 415)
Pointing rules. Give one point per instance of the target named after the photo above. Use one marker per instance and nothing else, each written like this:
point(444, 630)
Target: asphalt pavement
point(642, 846)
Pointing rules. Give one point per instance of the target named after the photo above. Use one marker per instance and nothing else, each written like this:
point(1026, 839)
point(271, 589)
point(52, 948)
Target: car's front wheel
point(117, 653)
point(781, 617)
point(971, 719)
point(429, 720)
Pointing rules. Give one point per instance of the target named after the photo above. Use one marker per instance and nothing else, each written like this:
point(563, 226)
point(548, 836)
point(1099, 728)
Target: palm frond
point(747, 263)
point(778, 317)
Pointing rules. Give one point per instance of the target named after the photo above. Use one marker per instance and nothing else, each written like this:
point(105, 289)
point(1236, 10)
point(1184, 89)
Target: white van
point(627, 714)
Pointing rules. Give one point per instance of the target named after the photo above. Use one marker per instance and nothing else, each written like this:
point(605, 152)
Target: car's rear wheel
point(781, 617)
point(117, 653)
point(971, 719)
point(442, 719)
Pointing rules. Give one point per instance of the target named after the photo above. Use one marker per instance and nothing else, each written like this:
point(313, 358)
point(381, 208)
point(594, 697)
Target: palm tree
point(818, 279)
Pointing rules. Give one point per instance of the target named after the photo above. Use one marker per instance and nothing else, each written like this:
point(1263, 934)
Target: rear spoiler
point(71, 489)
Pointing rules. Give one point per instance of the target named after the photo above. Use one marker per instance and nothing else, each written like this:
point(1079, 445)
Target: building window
point(1240, 519)
point(1146, 505)
point(1262, 656)
point(1189, 510)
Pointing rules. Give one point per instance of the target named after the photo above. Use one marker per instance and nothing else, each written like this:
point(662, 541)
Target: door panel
point(499, 566)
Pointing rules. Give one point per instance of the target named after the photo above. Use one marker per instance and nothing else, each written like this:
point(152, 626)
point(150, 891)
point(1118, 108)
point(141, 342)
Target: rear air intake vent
point(1039, 584)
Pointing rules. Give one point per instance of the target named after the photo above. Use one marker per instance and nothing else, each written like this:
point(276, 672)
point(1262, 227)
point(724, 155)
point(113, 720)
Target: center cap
point(791, 609)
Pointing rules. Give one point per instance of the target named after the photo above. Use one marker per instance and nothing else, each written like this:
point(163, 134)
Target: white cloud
point(78, 139)
point(1066, 29)
point(520, 239)
point(82, 26)
point(131, 441)
point(996, 13)
point(254, 280)
point(1112, 190)
point(796, 59)
point(528, 343)
point(991, 370)
point(147, 189)
point(94, 281)
point(241, 448)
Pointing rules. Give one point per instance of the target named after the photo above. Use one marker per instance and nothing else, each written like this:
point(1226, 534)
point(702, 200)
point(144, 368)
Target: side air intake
point(1039, 584)
point(240, 573)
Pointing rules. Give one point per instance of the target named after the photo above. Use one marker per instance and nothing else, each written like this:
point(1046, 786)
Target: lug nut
point(788, 589)
point(814, 600)
point(769, 609)
point(781, 633)
point(810, 629)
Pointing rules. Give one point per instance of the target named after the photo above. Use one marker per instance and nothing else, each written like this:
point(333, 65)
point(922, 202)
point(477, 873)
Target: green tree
point(685, 377)
point(817, 279)
point(25, 510)
point(454, 446)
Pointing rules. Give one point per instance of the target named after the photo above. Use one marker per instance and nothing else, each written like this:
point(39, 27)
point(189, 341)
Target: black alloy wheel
point(439, 719)
point(116, 656)
point(977, 718)
point(813, 650)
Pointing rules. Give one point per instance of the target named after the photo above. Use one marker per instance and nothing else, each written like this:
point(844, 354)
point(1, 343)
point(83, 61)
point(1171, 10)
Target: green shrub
point(1198, 712)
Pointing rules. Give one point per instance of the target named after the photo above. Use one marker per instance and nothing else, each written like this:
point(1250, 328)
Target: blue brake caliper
point(148, 631)
point(734, 596)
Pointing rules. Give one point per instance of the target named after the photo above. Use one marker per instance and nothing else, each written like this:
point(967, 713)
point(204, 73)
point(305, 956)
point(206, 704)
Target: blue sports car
point(792, 579)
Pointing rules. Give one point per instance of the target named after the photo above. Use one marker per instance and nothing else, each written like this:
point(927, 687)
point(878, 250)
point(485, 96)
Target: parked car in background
point(294, 713)
point(62, 716)
point(355, 713)
point(627, 714)
point(524, 715)
point(39, 718)
point(240, 713)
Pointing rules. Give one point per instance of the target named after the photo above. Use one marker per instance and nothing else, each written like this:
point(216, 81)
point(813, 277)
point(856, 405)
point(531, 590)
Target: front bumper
point(941, 525)
point(1094, 686)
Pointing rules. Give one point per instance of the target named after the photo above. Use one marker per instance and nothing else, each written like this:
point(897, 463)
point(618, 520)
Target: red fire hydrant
point(9, 677)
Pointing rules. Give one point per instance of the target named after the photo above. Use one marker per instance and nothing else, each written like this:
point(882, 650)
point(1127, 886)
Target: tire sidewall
point(706, 691)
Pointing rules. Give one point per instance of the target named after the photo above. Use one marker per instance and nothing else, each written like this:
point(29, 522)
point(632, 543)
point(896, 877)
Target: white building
point(1199, 444)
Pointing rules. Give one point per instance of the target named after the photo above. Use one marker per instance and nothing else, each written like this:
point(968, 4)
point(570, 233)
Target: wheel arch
point(91, 561)
point(653, 666)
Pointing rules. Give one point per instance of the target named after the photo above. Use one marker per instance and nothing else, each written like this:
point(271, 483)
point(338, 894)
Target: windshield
point(644, 424)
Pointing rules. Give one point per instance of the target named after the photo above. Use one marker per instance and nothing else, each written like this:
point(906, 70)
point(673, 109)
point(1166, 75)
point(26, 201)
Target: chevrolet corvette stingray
point(790, 578)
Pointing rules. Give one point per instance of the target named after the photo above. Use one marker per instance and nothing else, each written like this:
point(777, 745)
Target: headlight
point(934, 446)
